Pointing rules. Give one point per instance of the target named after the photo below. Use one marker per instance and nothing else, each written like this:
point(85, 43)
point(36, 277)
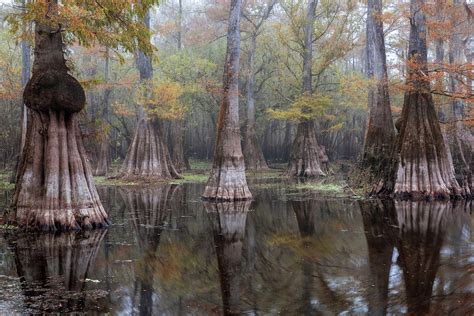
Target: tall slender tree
point(253, 154)
point(423, 167)
point(102, 166)
point(227, 180)
point(380, 131)
point(148, 156)
point(180, 159)
point(305, 153)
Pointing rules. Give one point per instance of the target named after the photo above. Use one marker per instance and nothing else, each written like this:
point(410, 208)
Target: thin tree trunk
point(148, 157)
point(461, 137)
point(54, 187)
point(102, 167)
point(380, 131)
point(179, 157)
point(253, 154)
point(423, 168)
point(25, 76)
point(305, 153)
point(227, 180)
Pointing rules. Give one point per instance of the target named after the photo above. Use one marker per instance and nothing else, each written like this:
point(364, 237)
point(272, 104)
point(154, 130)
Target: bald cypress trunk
point(54, 187)
point(304, 157)
point(227, 180)
point(148, 156)
point(380, 132)
point(423, 168)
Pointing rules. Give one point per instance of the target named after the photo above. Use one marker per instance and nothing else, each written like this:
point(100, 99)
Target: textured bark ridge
point(306, 154)
point(423, 168)
point(54, 187)
point(148, 156)
point(53, 269)
point(227, 180)
point(228, 225)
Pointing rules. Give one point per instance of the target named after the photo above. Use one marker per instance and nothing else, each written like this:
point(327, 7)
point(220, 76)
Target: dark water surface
point(289, 252)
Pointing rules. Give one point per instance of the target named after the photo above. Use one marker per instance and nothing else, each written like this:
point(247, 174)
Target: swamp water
point(289, 252)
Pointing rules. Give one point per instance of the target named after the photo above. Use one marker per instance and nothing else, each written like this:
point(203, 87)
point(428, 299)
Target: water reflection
point(150, 209)
point(295, 253)
point(417, 230)
point(317, 294)
point(53, 270)
point(377, 217)
point(228, 227)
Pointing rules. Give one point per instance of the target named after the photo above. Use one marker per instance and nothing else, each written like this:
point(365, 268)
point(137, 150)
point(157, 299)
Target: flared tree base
point(423, 168)
point(305, 154)
point(55, 189)
point(227, 183)
point(148, 157)
point(253, 154)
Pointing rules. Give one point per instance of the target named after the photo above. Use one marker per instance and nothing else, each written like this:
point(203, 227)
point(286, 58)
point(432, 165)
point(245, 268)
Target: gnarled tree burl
point(54, 187)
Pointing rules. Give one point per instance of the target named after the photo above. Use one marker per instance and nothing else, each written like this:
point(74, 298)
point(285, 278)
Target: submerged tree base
point(227, 183)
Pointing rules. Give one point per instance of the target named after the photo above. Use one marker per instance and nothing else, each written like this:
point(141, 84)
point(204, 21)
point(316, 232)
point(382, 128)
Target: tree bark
point(305, 153)
point(228, 225)
point(380, 131)
point(227, 180)
point(148, 156)
point(253, 154)
point(54, 187)
point(422, 167)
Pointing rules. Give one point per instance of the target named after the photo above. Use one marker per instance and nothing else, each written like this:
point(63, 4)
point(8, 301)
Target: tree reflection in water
point(228, 226)
point(417, 230)
point(150, 208)
point(53, 270)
